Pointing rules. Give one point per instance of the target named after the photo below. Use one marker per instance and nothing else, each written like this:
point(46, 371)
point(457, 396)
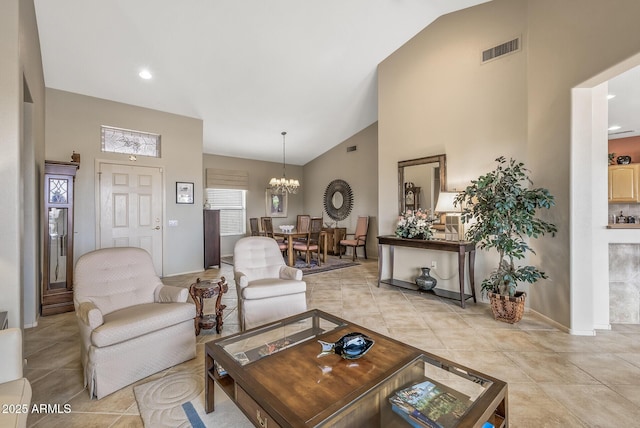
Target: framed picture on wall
point(276, 203)
point(184, 192)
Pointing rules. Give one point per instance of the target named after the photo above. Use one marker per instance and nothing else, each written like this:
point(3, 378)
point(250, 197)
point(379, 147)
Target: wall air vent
point(352, 149)
point(501, 50)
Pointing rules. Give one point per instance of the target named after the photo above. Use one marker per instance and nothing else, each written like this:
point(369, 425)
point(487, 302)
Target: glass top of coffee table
point(277, 336)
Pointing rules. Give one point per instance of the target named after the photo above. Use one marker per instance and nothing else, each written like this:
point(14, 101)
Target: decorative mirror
point(338, 200)
point(420, 181)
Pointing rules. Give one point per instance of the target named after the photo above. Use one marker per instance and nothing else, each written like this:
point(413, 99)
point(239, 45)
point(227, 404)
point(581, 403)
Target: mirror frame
point(342, 212)
point(441, 159)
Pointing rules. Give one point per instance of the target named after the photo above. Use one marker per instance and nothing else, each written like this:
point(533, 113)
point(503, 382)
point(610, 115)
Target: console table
point(460, 247)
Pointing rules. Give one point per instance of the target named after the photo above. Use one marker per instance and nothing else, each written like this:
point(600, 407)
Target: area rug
point(177, 400)
point(332, 263)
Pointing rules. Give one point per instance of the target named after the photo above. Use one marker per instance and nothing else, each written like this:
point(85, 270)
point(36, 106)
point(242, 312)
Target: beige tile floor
point(555, 379)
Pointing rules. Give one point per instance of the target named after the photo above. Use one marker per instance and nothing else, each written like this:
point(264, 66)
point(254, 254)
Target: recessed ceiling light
point(145, 74)
point(610, 96)
point(614, 128)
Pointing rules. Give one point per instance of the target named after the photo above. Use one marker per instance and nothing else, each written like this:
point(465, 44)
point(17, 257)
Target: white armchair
point(131, 325)
point(268, 289)
point(15, 390)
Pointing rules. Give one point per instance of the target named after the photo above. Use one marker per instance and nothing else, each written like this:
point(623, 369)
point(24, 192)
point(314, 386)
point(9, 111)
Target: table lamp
point(453, 230)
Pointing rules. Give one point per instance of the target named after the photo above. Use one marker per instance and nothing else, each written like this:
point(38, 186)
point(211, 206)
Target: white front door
point(130, 212)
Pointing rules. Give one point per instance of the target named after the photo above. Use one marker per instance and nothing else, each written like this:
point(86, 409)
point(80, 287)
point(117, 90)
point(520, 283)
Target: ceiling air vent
point(352, 149)
point(621, 132)
point(503, 49)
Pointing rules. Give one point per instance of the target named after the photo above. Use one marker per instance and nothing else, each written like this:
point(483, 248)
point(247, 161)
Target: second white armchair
point(268, 289)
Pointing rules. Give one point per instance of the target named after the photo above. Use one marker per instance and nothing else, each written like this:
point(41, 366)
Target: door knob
point(156, 228)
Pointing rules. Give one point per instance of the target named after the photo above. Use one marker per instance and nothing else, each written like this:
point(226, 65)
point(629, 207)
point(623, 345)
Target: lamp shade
point(446, 203)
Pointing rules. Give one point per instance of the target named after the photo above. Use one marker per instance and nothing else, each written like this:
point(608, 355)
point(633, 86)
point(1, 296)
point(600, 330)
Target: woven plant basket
point(508, 309)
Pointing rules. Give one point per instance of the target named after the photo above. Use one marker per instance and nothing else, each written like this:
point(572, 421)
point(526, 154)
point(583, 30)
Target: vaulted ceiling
point(248, 68)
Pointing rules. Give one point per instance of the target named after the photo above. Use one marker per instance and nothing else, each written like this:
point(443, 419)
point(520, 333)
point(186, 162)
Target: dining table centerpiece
point(414, 224)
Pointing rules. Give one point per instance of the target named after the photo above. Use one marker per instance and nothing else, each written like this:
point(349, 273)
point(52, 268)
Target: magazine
point(431, 405)
point(275, 346)
point(411, 415)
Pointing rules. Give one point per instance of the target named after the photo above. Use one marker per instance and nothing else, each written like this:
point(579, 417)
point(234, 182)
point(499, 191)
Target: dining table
point(292, 235)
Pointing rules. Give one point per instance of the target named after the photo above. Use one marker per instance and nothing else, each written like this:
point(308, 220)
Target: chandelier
point(283, 184)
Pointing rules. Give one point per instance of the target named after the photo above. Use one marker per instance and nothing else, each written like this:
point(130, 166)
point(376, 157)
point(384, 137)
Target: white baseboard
point(553, 322)
point(602, 327)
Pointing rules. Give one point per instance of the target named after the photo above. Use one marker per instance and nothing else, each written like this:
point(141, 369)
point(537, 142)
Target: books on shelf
point(219, 369)
point(427, 404)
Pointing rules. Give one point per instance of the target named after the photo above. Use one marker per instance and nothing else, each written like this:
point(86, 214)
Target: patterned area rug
point(332, 263)
point(177, 400)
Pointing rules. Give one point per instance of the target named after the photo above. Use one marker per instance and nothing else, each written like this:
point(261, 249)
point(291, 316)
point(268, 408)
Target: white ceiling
point(624, 108)
point(249, 69)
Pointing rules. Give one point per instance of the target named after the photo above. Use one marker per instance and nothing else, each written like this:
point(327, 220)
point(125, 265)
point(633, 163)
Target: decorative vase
point(426, 282)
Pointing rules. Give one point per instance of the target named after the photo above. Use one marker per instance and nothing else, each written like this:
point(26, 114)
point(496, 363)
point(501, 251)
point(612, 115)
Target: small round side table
point(201, 290)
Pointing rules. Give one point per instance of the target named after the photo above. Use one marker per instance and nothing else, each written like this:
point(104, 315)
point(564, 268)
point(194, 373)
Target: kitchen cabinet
point(623, 183)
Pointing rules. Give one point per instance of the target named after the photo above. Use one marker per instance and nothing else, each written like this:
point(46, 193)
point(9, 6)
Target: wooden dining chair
point(255, 229)
point(359, 238)
point(312, 243)
point(303, 223)
point(267, 229)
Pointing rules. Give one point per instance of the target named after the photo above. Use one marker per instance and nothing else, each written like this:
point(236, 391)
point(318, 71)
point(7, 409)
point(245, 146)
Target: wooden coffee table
point(275, 376)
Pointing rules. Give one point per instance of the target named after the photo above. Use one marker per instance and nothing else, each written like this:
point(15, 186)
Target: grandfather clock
point(57, 281)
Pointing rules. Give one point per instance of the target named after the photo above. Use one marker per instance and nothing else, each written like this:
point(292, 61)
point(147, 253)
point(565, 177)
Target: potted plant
point(501, 210)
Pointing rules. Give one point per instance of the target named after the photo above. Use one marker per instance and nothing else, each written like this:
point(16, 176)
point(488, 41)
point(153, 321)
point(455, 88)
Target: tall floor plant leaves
point(504, 208)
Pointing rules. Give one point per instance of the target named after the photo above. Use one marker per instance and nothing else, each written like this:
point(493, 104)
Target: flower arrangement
point(414, 224)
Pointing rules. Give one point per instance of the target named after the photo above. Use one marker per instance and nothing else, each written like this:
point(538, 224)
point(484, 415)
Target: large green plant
point(504, 210)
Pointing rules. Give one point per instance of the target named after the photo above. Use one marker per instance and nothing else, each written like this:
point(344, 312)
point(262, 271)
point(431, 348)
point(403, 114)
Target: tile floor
point(555, 379)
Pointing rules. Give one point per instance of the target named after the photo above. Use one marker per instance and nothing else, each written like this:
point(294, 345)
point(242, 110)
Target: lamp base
point(453, 230)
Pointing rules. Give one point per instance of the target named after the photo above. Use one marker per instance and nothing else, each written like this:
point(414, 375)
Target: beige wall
point(359, 169)
point(259, 175)
point(435, 97)
point(21, 160)
point(562, 56)
point(73, 123)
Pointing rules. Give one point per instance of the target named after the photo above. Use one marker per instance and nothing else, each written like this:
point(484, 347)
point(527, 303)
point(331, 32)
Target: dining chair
point(303, 223)
point(255, 229)
point(359, 237)
point(267, 228)
point(312, 243)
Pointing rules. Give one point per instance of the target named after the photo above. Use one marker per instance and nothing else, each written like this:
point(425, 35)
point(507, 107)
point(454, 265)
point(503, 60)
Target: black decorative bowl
point(623, 160)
